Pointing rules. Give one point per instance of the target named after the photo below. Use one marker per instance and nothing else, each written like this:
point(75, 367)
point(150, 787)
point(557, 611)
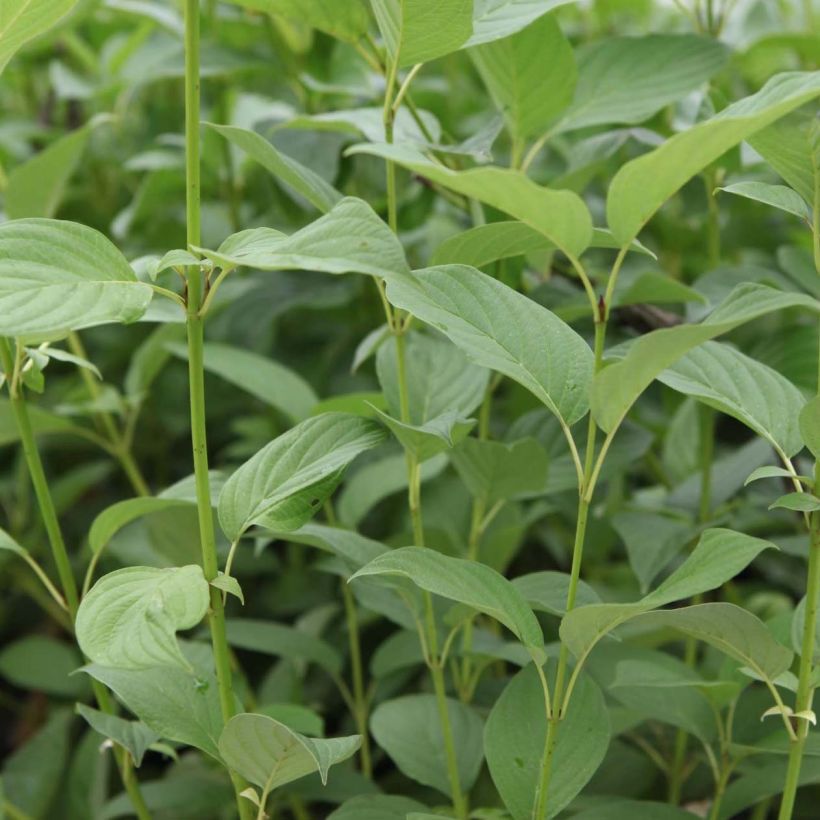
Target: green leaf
point(299, 718)
point(618, 809)
point(778, 196)
point(496, 19)
point(514, 740)
point(42, 664)
point(285, 483)
point(23, 20)
point(628, 79)
point(724, 378)
point(799, 502)
point(424, 441)
point(494, 471)
point(36, 188)
point(229, 585)
point(547, 591)
point(483, 244)
point(720, 554)
point(561, 216)
point(267, 380)
point(409, 730)
point(348, 239)
point(112, 519)
point(505, 331)
point(347, 21)
point(177, 704)
point(529, 90)
point(656, 288)
point(130, 617)
point(283, 641)
point(416, 31)
point(269, 754)
point(641, 186)
point(376, 807)
point(132, 735)
point(617, 387)
point(810, 426)
point(59, 276)
point(301, 179)
point(773, 472)
point(467, 582)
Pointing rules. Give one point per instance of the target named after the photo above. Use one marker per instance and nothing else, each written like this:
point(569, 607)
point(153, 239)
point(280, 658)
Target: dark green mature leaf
point(409, 730)
point(59, 276)
point(301, 179)
point(132, 735)
point(23, 20)
point(468, 582)
point(130, 617)
point(496, 19)
point(505, 331)
point(514, 757)
point(284, 484)
point(269, 754)
point(350, 238)
point(376, 807)
point(416, 31)
point(43, 664)
point(618, 386)
point(547, 591)
point(529, 90)
point(271, 382)
point(561, 216)
point(347, 21)
point(641, 186)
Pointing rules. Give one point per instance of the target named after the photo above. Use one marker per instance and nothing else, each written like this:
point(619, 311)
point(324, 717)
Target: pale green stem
point(360, 700)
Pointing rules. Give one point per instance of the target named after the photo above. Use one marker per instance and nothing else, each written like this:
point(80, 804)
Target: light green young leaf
point(229, 585)
point(409, 730)
point(778, 196)
point(514, 756)
point(132, 735)
point(641, 186)
point(724, 378)
point(347, 20)
point(719, 555)
point(483, 244)
point(799, 502)
point(505, 331)
point(417, 31)
point(130, 617)
point(60, 276)
point(467, 582)
point(350, 238)
point(770, 471)
point(561, 216)
point(810, 426)
point(269, 754)
point(264, 378)
point(494, 471)
point(301, 179)
point(628, 79)
point(35, 188)
point(617, 387)
point(496, 19)
point(284, 484)
point(23, 20)
point(529, 90)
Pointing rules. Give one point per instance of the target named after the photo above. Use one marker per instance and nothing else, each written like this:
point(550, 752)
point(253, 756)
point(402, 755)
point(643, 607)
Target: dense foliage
point(408, 408)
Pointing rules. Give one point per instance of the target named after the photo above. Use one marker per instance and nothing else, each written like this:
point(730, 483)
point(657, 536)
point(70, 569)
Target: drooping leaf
point(59, 276)
point(350, 238)
point(561, 216)
point(23, 20)
point(514, 757)
point(284, 484)
point(269, 754)
point(409, 730)
point(778, 196)
point(496, 19)
point(130, 617)
point(618, 386)
point(529, 90)
point(132, 735)
point(301, 179)
point(347, 21)
point(271, 382)
point(468, 582)
point(416, 31)
point(641, 186)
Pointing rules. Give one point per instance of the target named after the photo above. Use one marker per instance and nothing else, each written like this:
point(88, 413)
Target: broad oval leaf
point(467, 582)
point(269, 754)
point(130, 617)
point(409, 730)
point(285, 483)
point(641, 186)
point(60, 276)
point(505, 331)
point(23, 20)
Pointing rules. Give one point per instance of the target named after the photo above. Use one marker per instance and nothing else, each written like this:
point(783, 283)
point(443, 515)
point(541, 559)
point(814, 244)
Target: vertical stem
point(196, 378)
point(357, 673)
